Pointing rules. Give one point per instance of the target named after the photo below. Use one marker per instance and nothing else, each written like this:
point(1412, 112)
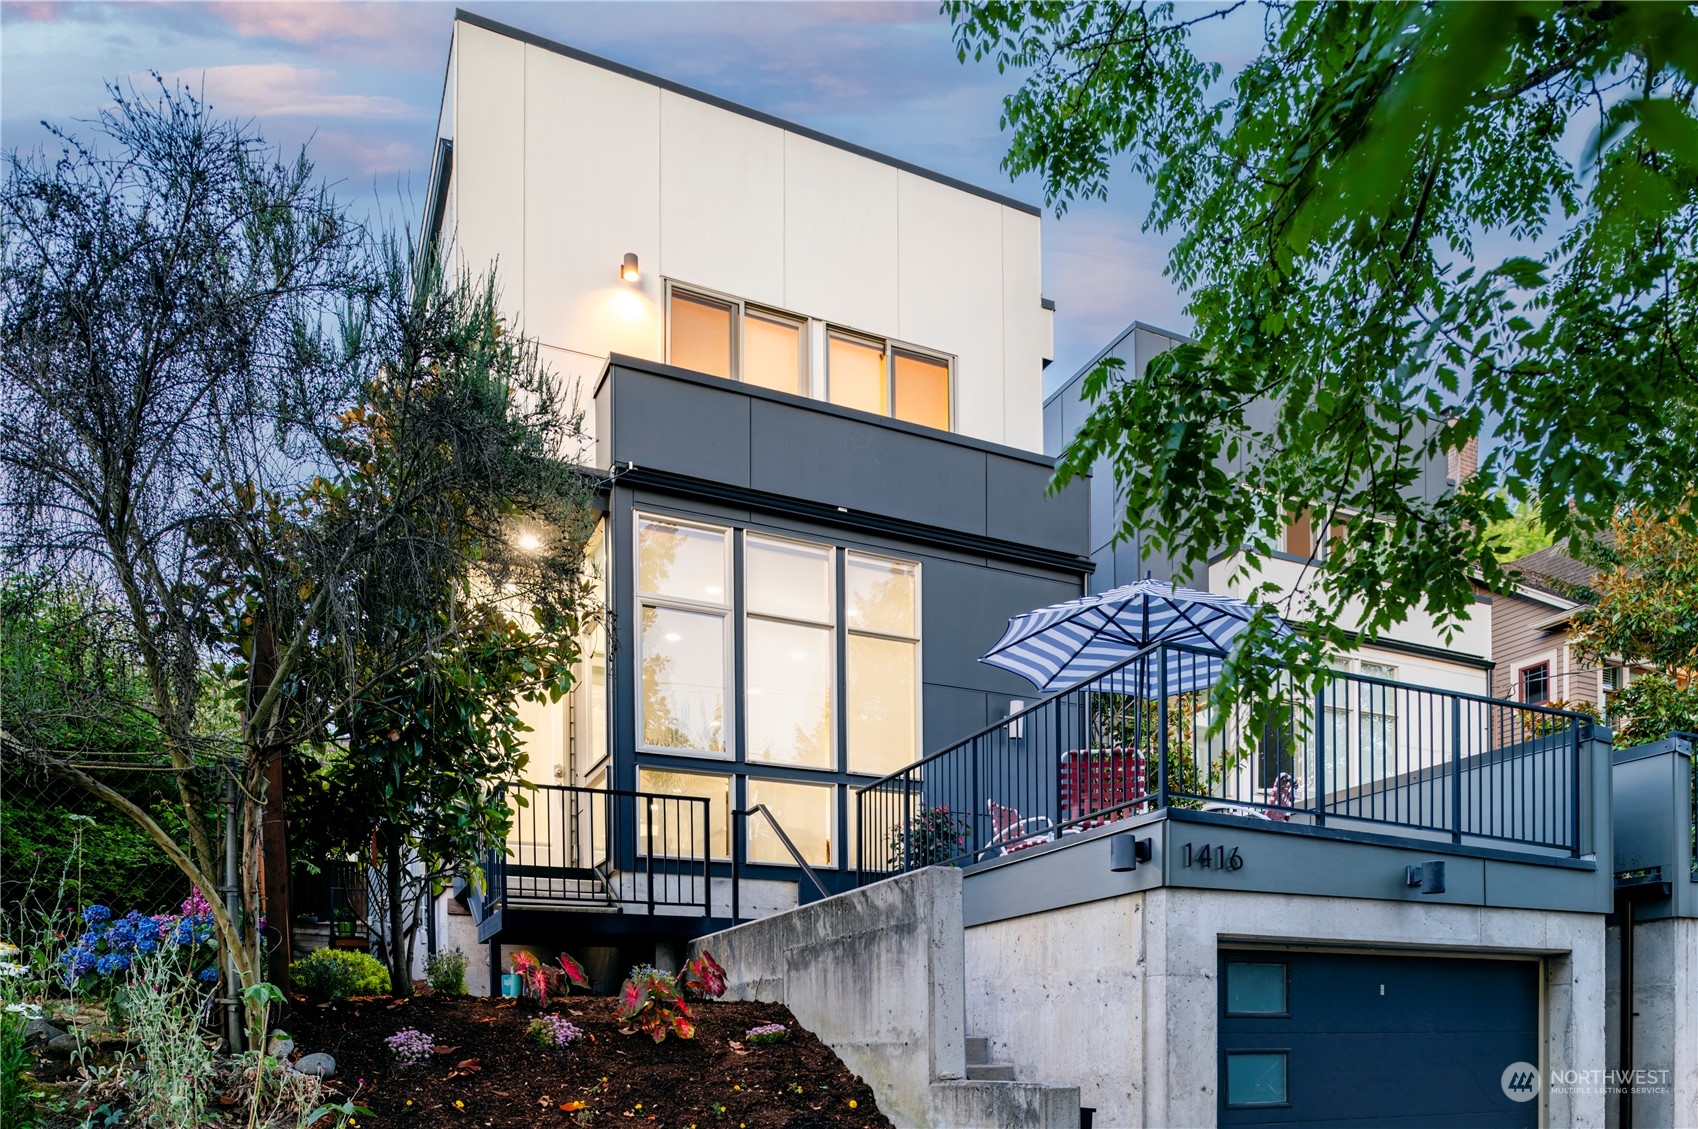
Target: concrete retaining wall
point(875, 973)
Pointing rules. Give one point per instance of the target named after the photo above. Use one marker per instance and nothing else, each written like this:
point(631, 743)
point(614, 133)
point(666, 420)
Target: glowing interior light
point(673, 637)
point(529, 542)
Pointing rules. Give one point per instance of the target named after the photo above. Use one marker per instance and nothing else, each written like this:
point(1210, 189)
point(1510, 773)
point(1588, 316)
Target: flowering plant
point(554, 1031)
point(108, 944)
point(410, 1046)
point(766, 1033)
point(540, 979)
point(650, 1001)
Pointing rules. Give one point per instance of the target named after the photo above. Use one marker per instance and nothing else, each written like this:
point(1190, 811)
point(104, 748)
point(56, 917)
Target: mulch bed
point(493, 1076)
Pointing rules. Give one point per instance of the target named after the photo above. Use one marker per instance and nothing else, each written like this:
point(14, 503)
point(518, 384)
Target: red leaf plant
point(703, 978)
point(651, 1001)
point(540, 979)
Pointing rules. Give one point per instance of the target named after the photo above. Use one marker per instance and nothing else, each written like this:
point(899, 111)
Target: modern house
point(813, 382)
point(812, 377)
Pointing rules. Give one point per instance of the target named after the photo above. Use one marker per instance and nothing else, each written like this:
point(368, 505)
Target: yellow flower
point(458, 1104)
point(639, 1105)
point(851, 1103)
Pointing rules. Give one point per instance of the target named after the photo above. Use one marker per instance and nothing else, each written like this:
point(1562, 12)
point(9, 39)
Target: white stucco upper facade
point(562, 164)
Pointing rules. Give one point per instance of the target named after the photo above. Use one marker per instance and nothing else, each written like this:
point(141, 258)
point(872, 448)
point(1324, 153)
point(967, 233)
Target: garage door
point(1353, 1039)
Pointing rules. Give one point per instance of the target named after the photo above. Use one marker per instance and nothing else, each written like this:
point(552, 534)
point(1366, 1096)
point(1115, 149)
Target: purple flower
point(554, 1031)
point(410, 1046)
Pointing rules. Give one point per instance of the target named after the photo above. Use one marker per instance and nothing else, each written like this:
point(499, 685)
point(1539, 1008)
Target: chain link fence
point(62, 848)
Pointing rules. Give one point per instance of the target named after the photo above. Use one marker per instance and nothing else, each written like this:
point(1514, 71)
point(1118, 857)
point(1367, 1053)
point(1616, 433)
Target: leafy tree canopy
point(1338, 204)
point(1520, 533)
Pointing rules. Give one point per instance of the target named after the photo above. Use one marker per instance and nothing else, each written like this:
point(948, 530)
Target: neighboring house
point(1531, 621)
point(812, 377)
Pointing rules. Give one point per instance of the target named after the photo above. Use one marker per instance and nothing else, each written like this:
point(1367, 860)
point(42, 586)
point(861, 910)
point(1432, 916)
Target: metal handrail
point(1435, 774)
point(1207, 652)
point(736, 867)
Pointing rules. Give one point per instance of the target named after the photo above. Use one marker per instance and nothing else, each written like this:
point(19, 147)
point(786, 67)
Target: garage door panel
point(1380, 1040)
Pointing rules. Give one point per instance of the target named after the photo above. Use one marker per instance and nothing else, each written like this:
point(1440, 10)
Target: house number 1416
point(1217, 857)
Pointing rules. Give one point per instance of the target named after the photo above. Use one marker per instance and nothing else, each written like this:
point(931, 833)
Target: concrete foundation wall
point(875, 973)
point(1665, 1021)
point(1120, 995)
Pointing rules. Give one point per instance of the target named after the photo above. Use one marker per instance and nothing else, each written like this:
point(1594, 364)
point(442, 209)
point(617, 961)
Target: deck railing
point(604, 850)
point(1357, 752)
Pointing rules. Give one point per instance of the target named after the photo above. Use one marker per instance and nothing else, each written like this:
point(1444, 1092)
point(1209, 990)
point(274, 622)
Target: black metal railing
point(1357, 752)
point(604, 850)
point(784, 839)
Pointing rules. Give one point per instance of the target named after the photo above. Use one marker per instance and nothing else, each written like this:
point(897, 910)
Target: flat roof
point(463, 16)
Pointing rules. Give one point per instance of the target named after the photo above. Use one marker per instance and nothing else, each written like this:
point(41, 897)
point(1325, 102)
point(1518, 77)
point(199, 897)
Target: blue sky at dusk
point(359, 83)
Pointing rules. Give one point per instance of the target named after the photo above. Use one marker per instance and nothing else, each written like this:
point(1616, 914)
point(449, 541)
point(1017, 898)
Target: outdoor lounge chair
point(1010, 833)
point(1100, 785)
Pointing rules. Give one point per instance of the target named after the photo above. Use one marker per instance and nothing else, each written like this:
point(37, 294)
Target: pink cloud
point(284, 90)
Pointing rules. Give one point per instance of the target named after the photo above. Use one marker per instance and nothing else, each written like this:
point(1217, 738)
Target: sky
point(359, 85)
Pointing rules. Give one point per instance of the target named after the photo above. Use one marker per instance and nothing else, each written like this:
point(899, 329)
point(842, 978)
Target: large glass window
point(883, 664)
point(790, 648)
point(683, 640)
point(589, 720)
point(805, 811)
point(673, 830)
point(1379, 722)
point(701, 334)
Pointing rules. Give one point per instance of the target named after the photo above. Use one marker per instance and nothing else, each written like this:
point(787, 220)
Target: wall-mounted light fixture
point(1429, 876)
point(628, 269)
point(1125, 852)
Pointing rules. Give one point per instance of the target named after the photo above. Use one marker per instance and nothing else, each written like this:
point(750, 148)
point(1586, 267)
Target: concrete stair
point(979, 1066)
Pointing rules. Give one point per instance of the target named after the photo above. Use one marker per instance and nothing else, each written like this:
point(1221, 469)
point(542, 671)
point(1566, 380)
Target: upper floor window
point(888, 380)
point(728, 338)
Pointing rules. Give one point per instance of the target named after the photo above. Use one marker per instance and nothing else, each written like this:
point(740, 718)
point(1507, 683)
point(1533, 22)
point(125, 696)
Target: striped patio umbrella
point(1067, 643)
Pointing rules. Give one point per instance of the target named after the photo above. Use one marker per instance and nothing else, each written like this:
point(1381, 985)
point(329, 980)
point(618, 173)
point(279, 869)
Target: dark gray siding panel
point(1019, 507)
point(951, 714)
point(965, 609)
point(844, 462)
point(681, 427)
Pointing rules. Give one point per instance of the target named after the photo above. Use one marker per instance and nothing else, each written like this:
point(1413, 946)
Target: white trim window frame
point(891, 350)
point(851, 632)
point(705, 606)
point(741, 310)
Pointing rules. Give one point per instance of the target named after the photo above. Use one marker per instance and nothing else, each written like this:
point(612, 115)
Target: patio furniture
point(1010, 833)
point(1284, 796)
point(1100, 785)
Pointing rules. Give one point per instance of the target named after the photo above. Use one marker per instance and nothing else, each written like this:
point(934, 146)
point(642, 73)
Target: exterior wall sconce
point(1125, 852)
point(1016, 725)
point(1429, 876)
point(628, 269)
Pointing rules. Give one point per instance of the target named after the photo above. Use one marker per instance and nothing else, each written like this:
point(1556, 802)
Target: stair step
point(990, 1072)
point(978, 1049)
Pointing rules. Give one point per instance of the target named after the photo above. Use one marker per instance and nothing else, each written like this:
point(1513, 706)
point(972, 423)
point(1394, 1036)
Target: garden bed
point(487, 1073)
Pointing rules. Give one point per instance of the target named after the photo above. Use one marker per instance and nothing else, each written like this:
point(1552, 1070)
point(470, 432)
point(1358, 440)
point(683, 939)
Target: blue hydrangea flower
point(185, 932)
point(110, 963)
point(209, 975)
point(94, 915)
point(121, 936)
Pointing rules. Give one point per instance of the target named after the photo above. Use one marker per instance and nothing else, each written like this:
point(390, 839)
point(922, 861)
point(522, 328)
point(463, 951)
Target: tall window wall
point(822, 641)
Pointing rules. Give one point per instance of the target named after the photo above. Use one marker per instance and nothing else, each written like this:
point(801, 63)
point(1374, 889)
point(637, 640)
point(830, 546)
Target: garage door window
point(1255, 1078)
point(1255, 989)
